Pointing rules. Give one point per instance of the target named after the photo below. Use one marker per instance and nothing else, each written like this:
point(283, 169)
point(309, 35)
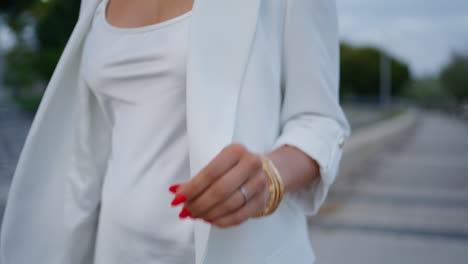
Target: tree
point(360, 71)
point(454, 77)
point(18, 12)
point(31, 62)
point(53, 30)
point(53, 22)
point(428, 91)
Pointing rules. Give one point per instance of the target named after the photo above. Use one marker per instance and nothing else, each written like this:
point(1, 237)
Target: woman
point(149, 143)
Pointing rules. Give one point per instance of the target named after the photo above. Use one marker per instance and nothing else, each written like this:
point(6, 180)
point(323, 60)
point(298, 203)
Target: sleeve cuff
point(326, 149)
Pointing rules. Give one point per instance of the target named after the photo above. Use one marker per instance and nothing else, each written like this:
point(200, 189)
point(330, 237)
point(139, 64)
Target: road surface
point(409, 205)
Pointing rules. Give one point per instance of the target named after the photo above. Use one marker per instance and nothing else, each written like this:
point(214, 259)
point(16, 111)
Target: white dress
point(137, 76)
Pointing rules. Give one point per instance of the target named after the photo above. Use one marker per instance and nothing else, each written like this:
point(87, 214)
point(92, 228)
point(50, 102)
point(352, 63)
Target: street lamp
point(385, 80)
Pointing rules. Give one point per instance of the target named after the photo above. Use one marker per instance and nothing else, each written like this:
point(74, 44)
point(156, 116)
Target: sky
point(423, 34)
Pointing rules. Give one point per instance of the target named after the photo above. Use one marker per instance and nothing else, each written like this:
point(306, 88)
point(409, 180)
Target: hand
point(214, 193)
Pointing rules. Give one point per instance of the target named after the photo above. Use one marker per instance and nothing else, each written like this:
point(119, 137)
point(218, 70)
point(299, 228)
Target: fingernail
point(184, 213)
point(207, 220)
point(179, 198)
point(173, 188)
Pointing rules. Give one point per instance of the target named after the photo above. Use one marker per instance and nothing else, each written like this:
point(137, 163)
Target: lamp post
point(385, 80)
point(2, 57)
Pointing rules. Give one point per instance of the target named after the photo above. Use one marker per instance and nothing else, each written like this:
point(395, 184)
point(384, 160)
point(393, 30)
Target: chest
point(126, 14)
point(135, 64)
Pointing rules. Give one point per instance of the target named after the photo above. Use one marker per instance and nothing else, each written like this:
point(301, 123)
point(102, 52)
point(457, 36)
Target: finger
point(249, 166)
point(255, 184)
point(253, 207)
point(219, 165)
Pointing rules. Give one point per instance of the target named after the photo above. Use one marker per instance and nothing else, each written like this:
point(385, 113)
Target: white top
point(138, 77)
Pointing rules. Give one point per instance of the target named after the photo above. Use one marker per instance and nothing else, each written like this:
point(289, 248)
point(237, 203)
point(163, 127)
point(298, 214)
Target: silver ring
point(244, 193)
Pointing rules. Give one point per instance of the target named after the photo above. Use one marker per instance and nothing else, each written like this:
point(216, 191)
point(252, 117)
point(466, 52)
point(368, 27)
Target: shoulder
point(86, 5)
point(314, 16)
point(312, 6)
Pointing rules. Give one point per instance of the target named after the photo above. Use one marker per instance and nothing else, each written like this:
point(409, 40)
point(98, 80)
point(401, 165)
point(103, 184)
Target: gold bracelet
point(278, 185)
point(275, 187)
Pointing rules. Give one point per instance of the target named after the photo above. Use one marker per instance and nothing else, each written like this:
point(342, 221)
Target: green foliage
point(360, 71)
point(14, 7)
point(20, 68)
point(17, 12)
point(29, 103)
point(428, 92)
point(400, 76)
point(28, 65)
point(454, 77)
point(22, 75)
point(53, 31)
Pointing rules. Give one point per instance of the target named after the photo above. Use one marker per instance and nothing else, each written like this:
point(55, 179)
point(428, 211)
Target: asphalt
point(14, 125)
point(409, 204)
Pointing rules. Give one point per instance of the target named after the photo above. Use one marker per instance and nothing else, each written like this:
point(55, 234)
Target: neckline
point(140, 28)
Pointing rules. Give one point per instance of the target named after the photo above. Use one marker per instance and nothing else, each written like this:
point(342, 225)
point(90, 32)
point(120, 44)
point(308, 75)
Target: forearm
point(295, 167)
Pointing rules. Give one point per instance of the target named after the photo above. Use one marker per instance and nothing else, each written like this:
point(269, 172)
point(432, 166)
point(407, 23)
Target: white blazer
point(260, 72)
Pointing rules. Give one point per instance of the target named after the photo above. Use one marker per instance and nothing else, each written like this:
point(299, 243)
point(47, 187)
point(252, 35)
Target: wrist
point(296, 168)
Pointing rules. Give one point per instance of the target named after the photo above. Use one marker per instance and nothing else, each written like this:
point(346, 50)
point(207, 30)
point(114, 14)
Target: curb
point(368, 142)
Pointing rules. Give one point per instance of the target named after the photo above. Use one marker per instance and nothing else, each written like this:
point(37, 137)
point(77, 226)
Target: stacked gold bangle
point(275, 186)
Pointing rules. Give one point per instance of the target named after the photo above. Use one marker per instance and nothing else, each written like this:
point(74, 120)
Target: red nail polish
point(179, 198)
point(174, 188)
point(184, 213)
point(207, 220)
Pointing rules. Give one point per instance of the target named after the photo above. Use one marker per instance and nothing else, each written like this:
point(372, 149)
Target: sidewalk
point(410, 205)
point(14, 125)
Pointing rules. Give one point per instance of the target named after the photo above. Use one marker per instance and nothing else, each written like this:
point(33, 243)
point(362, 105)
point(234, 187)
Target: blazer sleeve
point(88, 163)
point(312, 119)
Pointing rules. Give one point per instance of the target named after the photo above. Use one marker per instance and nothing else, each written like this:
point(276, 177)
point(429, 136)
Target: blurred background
point(402, 192)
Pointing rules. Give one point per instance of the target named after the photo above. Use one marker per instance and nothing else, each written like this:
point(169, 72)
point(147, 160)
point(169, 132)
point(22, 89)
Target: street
point(409, 205)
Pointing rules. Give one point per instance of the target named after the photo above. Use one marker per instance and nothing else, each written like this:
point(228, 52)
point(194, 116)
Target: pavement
point(362, 116)
point(409, 204)
point(14, 125)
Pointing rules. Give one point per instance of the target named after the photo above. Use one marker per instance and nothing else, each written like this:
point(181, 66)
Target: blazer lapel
point(221, 36)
